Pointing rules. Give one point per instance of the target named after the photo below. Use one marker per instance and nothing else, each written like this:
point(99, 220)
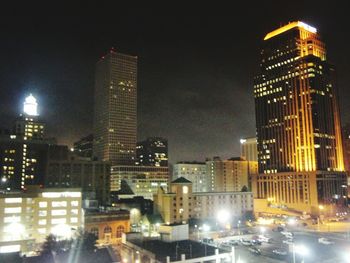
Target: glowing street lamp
point(301, 250)
point(223, 216)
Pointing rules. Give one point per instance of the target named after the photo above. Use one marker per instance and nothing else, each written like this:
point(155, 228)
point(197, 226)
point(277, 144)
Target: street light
point(301, 250)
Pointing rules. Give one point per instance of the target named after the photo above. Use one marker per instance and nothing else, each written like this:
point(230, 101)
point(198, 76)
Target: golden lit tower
point(297, 120)
point(115, 109)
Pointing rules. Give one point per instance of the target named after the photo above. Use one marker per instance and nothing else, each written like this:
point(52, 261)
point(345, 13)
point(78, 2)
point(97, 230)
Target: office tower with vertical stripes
point(115, 109)
point(300, 151)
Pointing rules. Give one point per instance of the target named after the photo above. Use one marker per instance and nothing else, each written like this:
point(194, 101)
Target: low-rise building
point(181, 204)
point(143, 180)
point(136, 248)
point(108, 226)
point(28, 217)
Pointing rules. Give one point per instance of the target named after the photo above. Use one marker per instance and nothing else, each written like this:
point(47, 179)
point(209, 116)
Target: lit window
point(13, 210)
point(57, 221)
point(13, 200)
point(42, 204)
point(74, 211)
point(42, 222)
point(58, 212)
point(74, 203)
point(74, 220)
point(42, 213)
point(59, 204)
point(12, 219)
point(42, 231)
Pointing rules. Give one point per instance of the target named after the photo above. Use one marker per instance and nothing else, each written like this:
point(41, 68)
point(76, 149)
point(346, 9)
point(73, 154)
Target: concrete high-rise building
point(249, 149)
point(298, 122)
point(28, 126)
point(152, 152)
point(23, 153)
point(196, 172)
point(230, 175)
point(115, 109)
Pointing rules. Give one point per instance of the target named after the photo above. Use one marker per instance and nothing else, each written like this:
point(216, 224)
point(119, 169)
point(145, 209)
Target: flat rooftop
point(161, 249)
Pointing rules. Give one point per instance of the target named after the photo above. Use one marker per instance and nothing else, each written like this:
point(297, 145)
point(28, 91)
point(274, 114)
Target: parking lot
point(306, 246)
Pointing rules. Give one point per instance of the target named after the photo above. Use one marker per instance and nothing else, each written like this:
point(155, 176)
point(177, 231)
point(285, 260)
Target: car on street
point(255, 250)
point(325, 241)
point(280, 252)
point(264, 239)
point(287, 234)
point(246, 242)
point(288, 241)
point(234, 242)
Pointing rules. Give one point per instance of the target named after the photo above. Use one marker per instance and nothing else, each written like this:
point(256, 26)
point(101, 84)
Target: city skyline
point(195, 79)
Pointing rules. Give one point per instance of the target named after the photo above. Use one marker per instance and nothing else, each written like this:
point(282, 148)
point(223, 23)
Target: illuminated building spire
point(30, 106)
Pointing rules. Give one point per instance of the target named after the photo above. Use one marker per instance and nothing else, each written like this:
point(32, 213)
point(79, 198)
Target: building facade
point(143, 180)
point(249, 149)
point(152, 152)
point(115, 109)
point(108, 226)
point(28, 217)
point(230, 175)
point(181, 204)
point(196, 172)
point(297, 120)
point(93, 177)
point(83, 147)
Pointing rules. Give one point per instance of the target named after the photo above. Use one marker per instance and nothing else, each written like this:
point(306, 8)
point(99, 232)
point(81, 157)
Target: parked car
point(325, 241)
point(280, 252)
point(246, 242)
point(287, 234)
point(288, 241)
point(264, 239)
point(234, 242)
point(255, 242)
point(255, 250)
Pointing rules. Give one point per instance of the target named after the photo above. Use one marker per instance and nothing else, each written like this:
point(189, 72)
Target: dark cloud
point(196, 65)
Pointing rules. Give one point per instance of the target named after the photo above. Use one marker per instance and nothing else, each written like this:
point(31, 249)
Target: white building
point(193, 171)
point(28, 217)
point(249, 149)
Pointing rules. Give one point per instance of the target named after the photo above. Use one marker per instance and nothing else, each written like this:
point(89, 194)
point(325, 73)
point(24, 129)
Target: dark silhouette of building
point(83, 147)
point(152, 152)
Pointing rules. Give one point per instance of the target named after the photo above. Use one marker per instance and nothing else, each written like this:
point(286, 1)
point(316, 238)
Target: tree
point(85, 240)
point(50, 245)
point(244, 189)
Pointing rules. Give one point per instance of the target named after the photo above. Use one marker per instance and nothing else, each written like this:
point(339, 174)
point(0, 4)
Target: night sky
point(196, 65)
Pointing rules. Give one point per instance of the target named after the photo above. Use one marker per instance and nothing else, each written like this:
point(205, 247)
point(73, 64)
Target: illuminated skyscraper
point(298, 122)
point(115, 106)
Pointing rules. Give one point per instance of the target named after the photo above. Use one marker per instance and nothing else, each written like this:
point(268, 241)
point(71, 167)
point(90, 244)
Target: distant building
point(181, 204)
point(230, 175)
point(69, 171)
point(115, 109)
point(152, 152)
point(28, 217)
point(28, 125)
point(107, 226)
point(249, 149)
point(83, 147)
point(143, 180)
point(23, 153)
point(196, 172)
